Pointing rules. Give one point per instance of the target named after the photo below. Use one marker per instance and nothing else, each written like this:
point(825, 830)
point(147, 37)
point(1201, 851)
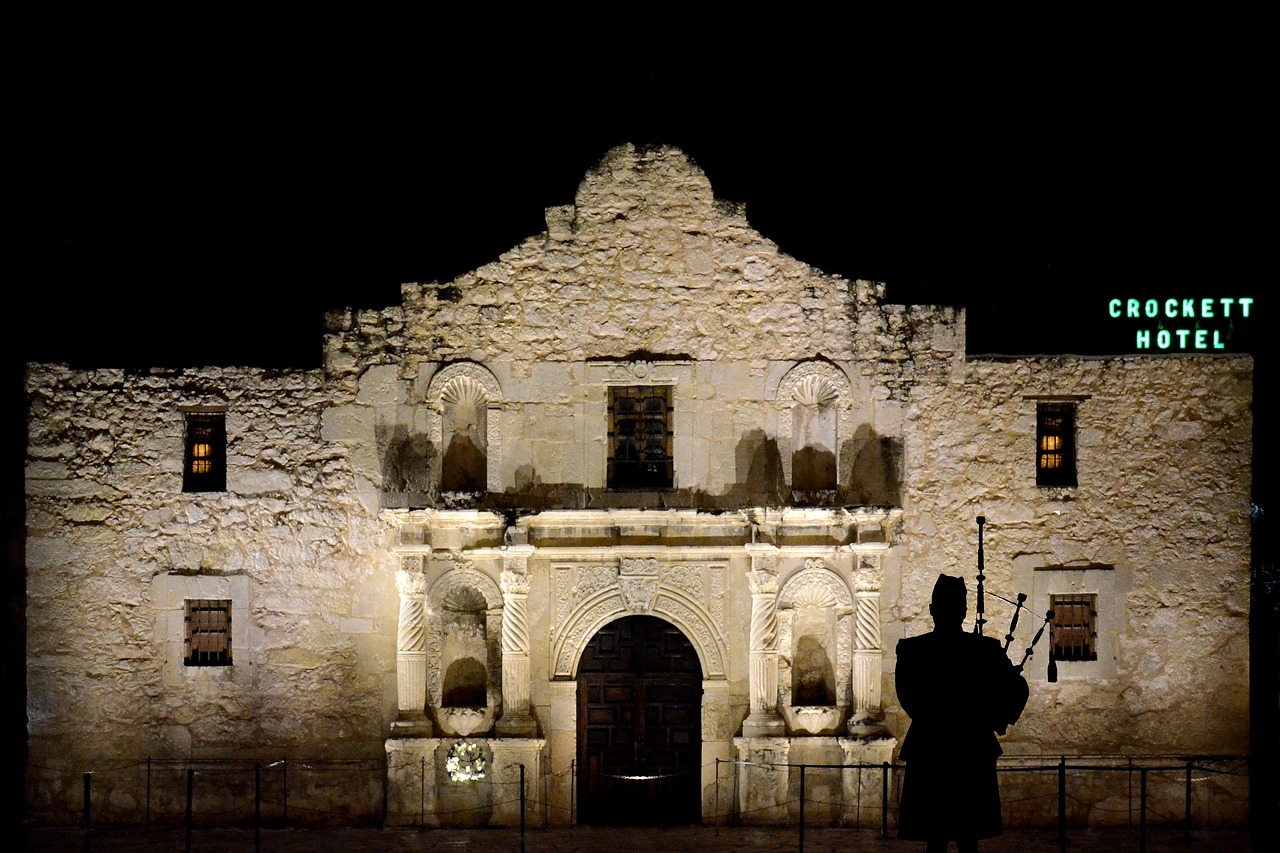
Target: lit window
point(640, 437)
point(1056, 444)
point(204, 466)
point(1075, 626)
point(208, 634)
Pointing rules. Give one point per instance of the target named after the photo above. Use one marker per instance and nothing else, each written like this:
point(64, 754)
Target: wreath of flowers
point(465, 762)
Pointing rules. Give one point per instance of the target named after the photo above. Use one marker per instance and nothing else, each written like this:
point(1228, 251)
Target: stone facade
point(419, 541)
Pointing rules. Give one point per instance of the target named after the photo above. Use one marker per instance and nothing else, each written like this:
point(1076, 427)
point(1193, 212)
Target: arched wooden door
point(639, 725)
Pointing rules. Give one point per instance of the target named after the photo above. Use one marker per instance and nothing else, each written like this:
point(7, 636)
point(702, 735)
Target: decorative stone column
point(411, 651)
point(763, 721)
point(516, 720)
point(868, 715)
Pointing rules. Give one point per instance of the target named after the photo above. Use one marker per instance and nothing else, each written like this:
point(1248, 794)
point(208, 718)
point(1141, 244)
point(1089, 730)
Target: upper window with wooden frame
point(640, 430)
point(204, 462)
point(208, 632)
point(1055, 444)
point(1075, 626)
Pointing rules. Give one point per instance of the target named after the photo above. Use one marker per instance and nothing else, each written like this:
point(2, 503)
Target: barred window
point(1075, 626)
point(204, 467)
point(1056, 444)
point(208, 632)
point(640, 437)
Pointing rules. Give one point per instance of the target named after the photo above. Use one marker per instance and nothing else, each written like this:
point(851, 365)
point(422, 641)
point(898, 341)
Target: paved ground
point(613, 840)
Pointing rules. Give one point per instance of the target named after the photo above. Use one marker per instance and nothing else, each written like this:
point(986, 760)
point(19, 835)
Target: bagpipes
point(1018, 607)
point(1013, 699)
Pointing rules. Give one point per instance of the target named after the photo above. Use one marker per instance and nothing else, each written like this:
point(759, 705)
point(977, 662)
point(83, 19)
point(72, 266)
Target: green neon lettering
point(1133, 308)
point(1217, 339)
point(1153, 307)
point(1245, 302)
point(1163, 338)
point(1206, 307)
point(1226, 305)
point(1182, 337)
point(1188, 308)
point(1171, 308)
point(1144, 338)
point(1202, 336)
point(1113, 307)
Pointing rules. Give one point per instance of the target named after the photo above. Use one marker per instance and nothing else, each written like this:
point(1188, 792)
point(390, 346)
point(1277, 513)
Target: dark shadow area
point(812, 678)
point(759, 480)
point(465, 685)
point(465, 468)
point(876, 478)
point(813, 469)
point(407, 465)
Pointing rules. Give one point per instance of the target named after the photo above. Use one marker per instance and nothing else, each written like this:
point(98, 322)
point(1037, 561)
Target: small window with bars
point(204, 467)
point(1075, 626)
point(208, 632)
point(1056, 444)
point(640, 437)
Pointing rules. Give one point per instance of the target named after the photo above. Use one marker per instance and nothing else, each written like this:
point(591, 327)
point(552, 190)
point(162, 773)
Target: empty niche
point(813, 430)
point(464, 425)
point(464, 649)
point(813, 635)
point(815, 409)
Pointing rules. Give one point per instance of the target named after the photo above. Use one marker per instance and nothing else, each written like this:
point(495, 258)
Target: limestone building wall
point(114, 547)
point(1157, 527)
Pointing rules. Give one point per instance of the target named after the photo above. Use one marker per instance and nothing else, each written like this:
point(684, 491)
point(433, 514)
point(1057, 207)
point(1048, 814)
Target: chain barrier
point(233, 792)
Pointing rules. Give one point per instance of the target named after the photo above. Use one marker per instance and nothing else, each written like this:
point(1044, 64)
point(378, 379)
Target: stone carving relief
point(464, 403)
point(587, 597)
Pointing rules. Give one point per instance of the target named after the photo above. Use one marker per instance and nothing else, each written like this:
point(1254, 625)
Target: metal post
point(801, 808)
point(285, 793)
point(1187, 807)
point(1062, 800)
point(1142, 814)
point(85, 817)
point(257, 806)
point(521, 808)
point(717, 796)
point(191, 785)
point(884, 800)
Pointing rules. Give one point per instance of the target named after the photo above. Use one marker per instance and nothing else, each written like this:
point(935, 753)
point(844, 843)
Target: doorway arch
point(639, 725)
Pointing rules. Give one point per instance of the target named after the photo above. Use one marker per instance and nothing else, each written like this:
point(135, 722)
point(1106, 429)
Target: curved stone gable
point(648, 260)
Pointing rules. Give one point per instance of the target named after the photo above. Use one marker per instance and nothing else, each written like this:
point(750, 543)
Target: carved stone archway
point(688, 595)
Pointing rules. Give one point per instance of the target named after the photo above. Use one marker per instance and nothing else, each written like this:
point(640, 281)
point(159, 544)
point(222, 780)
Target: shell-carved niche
point(816, 415)
point(464, 651)
point(815, 619)
point(465, 403)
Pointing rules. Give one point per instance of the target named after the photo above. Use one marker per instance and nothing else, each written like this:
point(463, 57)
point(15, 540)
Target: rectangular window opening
point(640, 434)
point(1056, 444)
point(204, 467)
point(208, 632)
point(1075, 626)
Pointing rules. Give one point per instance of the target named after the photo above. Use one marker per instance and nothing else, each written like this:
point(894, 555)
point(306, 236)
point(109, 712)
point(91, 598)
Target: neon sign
point(1198, 334)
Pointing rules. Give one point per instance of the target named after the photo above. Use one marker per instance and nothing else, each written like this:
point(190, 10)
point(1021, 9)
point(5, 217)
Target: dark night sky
point(204, 197)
